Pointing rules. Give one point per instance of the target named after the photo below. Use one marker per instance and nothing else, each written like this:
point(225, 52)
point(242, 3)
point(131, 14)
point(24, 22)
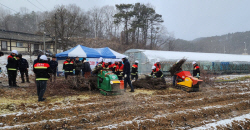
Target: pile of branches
point(177, 67)
point(81, 83)
point(150, 83)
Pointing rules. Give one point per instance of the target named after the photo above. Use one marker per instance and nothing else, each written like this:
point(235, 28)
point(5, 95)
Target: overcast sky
point(186, 19)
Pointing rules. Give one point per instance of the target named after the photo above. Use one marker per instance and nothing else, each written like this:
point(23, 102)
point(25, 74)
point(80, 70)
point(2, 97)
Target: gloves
point(198, 75)
point(74, 71)
point(125, 75)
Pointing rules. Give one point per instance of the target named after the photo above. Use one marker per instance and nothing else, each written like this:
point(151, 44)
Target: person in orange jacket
point(119, 70)
point(134, 72)
point(68, 67)
point(156, 73)
point(114, 66)
point(157, 64)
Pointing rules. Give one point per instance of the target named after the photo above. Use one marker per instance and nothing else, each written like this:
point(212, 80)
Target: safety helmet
point(193, 62)
point(100, 59)
point(153, 67)
point(158, 60)
point(14, 51)
point(43, 57)
point(137, 61)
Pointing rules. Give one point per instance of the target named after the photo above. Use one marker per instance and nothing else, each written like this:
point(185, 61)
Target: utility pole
point(44, 34)
point(55, 36)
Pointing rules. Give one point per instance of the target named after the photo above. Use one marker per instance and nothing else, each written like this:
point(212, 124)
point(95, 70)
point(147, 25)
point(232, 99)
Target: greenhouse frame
point(210, 62)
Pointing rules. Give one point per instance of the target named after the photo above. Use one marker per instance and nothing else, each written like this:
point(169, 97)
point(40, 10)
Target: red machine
point(187, 82)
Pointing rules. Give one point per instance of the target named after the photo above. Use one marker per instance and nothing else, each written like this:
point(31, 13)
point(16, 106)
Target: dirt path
point(221, 106)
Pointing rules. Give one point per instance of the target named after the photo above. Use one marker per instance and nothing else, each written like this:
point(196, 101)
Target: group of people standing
point(46, 70)
point(75, 66)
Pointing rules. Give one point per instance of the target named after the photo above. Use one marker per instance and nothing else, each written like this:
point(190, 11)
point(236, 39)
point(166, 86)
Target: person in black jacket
point(23, 68)
point(68, 67)
point(53, 65)
point(36, 60)
point(134, 73)
point(196, 70)
point(126, 74)
point(12, 68)
point(42, 70)
point(86, 68)
point(156, 73)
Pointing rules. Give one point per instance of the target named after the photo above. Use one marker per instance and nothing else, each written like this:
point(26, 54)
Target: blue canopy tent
point(109, 53)
point(80, 51)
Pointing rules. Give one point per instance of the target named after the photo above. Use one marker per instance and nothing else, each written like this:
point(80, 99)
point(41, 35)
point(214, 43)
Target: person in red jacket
point(196, 70)
point(12, 68)
point(134, 72)
point(42, 70)
point(156, 73)
point(119, 70)
point(68, 67)
point(157, 64)
point(114, 65)
point(106, 65)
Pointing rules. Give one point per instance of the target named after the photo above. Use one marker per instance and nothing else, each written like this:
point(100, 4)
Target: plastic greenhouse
point(211, 62)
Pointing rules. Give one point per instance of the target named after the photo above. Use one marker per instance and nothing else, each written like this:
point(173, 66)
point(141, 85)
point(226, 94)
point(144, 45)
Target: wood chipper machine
point(109, 84)
point(187, 82)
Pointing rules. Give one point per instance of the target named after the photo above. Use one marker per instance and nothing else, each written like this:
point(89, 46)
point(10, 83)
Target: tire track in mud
point(124, 111)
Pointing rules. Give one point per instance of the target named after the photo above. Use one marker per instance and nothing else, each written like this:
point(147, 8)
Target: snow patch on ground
point(223, 122)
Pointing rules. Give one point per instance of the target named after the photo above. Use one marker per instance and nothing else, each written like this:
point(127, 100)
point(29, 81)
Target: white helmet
point(136, 61)
point(107, 60)
point(15, 51)
point(100, 59)
point(43, 57)
point(120, 60)
point(158, 60)
point(193, 62)
point(153, 67)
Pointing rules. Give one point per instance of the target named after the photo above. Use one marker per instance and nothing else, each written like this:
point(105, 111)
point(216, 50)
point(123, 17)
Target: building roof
point(191, 56)
point(21, 36)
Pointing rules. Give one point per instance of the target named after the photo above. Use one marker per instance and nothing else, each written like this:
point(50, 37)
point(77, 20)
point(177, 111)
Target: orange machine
point(187, 82)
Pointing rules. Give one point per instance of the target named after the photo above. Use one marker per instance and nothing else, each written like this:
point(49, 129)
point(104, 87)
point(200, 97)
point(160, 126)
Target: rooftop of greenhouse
point(190, 56)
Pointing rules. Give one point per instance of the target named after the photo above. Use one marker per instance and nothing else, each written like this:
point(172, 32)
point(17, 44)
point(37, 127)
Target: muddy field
point(219, 105)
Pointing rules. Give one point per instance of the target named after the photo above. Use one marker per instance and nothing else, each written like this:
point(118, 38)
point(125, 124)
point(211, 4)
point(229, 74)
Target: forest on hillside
point(127, 25)
point(231, 43)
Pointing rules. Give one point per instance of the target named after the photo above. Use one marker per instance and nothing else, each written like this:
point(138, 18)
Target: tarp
point(82, 51)
point(109, 53)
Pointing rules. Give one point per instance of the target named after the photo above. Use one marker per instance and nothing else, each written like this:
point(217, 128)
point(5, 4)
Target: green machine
point(109, 84)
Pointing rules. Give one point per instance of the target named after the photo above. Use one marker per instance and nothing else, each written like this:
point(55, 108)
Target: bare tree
point(69, 23)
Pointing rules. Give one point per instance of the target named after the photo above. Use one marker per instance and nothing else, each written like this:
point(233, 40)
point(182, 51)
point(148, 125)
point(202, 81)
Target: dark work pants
point(26, 74)
point(127, 80)
point(12, 77)
point(41, 87)
point(83, 73)
point(174, 79)
point(77, 72)
point(134, 76)
point(52, 75)
point(68, 73)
